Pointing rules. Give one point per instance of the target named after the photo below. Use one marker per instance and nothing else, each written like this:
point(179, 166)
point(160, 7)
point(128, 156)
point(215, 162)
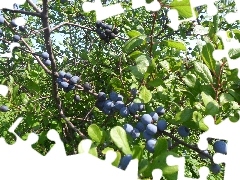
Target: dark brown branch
point(22, 12)
point(48, 45)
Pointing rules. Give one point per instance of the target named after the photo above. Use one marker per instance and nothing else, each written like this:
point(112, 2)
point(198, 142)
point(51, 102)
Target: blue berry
point(215, 168)
point(120, 97)
point(154, 116)
point(68, 76)
point(13, 23)
point(160, 111)
point(47, 62)
point(74, 80)
point(141, 107)
point(4, 108)
point(151, 129)
point(113, 96)
point(119, 105)
point(101, 96)
point(16, 38)
point(140, 126)
point(135, 133)
point(125, 161)
point(134, 91)
point(124, 112)
point(61, 74)
point(2, 19)
point(162, 125)
point(183, 131)
point(128, 128)
point(220, 147)
point(45, 55)
point(64, 84)
point(150, 145)
point(146, 119)
point(133, 108)
point(146, 135)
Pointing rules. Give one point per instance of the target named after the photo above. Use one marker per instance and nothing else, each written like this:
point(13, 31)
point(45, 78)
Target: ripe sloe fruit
point(151, 129)
point(162, 125)
point(146, 119)
point(4, 108)
point(128, 128)
point(140, 126)
point(150, 145)
point(124, 112)
point(16, 38)
point(125, 161)
point(183, 131)
point(220, 147)
point(45, 55)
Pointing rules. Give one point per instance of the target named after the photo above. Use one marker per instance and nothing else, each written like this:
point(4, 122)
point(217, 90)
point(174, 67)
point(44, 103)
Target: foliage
point(146, 55)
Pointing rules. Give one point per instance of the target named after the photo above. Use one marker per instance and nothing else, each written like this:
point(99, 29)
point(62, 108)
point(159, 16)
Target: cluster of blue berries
point(67, 81)
point(106, 32)
point(46, 59)
point(13, 23)
point(115, 103)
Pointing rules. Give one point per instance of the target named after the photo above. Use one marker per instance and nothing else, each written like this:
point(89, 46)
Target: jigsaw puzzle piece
point(10, 4)
point(58, 150)
point(157, 174)
point(174, 16)
point(103, 13)
point(233, 16)
point(153, 6)
point(229, 43)
point(180, 161)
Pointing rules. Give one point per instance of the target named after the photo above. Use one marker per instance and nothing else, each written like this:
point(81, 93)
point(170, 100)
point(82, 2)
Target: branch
point(22, 12)
point(34, 6)
point(187, 145)
point(68, 23)
point(48, 44)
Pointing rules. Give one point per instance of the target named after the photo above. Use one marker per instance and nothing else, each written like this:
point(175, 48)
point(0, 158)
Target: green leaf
point(160, 147)
point(105, 150)
point(133, 43)
point(202, 125)
point(211, 105)
point(95, 133)
point(185, 115)
point(169, 172)
point(203, 71)
point(212, 108)
point(234, 53)
point(206, 98)
point(145, 94)
point(156, 82)
point(165, 64)
point(225, 98)
point(183, 7)
point(116, 83)
point(142, 63)
point(207, 56)
point(174, 44)
point(137, 152)
point(190, 80)
point(119, 137)
point(133, 33)
point(117, 160)
point(236, 34)
point(143, 165)
point(93, 150)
